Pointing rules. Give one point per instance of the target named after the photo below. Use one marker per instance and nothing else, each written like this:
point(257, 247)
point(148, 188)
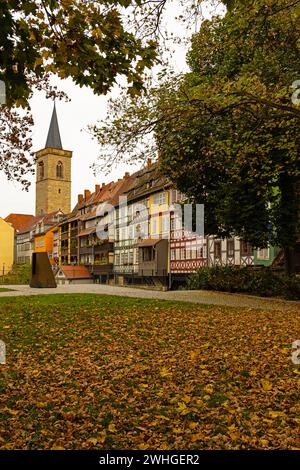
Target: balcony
point(99, 269)
point(153, 257)
point(85, 250)
point(104, 247)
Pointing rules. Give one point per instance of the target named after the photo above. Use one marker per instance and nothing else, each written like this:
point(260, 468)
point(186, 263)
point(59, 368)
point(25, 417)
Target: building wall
point(265, 256)
point(24, 247)
point(44, 244)
point(7, 236)
point(159, 214)
point(56, 245)
point(53, 193)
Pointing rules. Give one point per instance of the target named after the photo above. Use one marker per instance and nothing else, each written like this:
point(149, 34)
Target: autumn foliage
point(92, 372)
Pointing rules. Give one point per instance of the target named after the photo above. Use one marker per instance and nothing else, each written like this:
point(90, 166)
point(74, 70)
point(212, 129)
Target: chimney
point(97, 188)
point(149, 162)
point(80, 198)
point(126, 175)
point(87, 194)
point(103, 184)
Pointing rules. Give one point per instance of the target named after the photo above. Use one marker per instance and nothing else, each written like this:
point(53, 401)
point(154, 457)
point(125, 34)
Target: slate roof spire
point(53, 139)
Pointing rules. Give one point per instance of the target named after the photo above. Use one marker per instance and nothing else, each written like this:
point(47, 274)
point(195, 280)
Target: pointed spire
point(53, 139)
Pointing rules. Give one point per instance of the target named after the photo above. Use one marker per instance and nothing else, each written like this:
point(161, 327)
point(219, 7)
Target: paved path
point(203, 297)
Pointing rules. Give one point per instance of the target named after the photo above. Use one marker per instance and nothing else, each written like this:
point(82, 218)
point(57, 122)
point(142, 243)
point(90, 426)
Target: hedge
point(256, 281)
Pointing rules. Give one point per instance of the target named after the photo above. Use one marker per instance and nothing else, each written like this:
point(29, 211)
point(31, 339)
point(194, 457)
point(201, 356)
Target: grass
point(103, 372)
point(4, 289)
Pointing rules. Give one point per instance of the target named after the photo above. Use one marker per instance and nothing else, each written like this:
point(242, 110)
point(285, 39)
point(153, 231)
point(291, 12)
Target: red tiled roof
point(76, 272)
point(19, 221)
point(31, 224)
point(48, 220)
point(149, 242)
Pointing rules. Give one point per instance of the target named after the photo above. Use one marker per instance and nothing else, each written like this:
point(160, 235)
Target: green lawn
point(92, 372)
point(3, 289)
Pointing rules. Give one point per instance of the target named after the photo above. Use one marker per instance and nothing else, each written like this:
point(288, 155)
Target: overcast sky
point(84, 109)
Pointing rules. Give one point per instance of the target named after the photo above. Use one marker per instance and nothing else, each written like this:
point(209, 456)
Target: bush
point(263, 281)
point(20, 275)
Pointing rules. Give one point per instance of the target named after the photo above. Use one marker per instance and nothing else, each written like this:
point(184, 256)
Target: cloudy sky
point(74, 117)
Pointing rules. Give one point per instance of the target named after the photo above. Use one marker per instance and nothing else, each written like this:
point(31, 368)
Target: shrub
point(20, 274)
point(262, 281)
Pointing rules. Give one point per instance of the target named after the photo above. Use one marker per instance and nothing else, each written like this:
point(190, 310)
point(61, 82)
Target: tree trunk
point(289, 254)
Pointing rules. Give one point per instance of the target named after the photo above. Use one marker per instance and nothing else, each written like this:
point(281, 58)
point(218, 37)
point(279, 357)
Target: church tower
point(53, 174)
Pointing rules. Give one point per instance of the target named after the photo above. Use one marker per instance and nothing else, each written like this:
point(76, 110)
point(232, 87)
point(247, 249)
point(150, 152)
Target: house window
point(182, 253)
point(173, 195)
point(200, 252)
point(159, 199)
point(230, 248)
point(173, 254)
point(246, 249)
point(217, 249)
point(59, 170)
point(41, 170)
point(194, 252)
point(154, 224)
point(165, 224)
point(148, 254)
point(263, 254)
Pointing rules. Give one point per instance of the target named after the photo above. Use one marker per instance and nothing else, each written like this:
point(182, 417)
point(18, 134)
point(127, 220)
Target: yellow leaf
point(193, 425)
point(163, 417)
point(193, 355)
point(186, 399)
point(143, 429)
point(266, 385)
point(182, 409)
point(196, 437)
point(165, 372)
point(177, 430)
point(264, 442)
point(101, 439)
point(93, 440)
point(276, 414)
point(112, 427)
point(143, 446)
point(209, 389)
point(57, 448)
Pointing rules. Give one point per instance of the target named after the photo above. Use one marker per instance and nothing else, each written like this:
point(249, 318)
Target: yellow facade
point(7, 236)
point(53, 181)
point(159, 214)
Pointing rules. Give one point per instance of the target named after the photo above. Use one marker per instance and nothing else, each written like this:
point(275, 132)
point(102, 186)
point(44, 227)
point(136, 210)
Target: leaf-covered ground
point(90, 372)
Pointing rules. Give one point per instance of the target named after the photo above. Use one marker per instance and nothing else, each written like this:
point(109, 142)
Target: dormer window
point(59, 170)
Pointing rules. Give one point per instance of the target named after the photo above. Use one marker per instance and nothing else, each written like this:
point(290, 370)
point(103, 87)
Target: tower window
point(59, 191)
point(59, 170)
point(41, 170)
